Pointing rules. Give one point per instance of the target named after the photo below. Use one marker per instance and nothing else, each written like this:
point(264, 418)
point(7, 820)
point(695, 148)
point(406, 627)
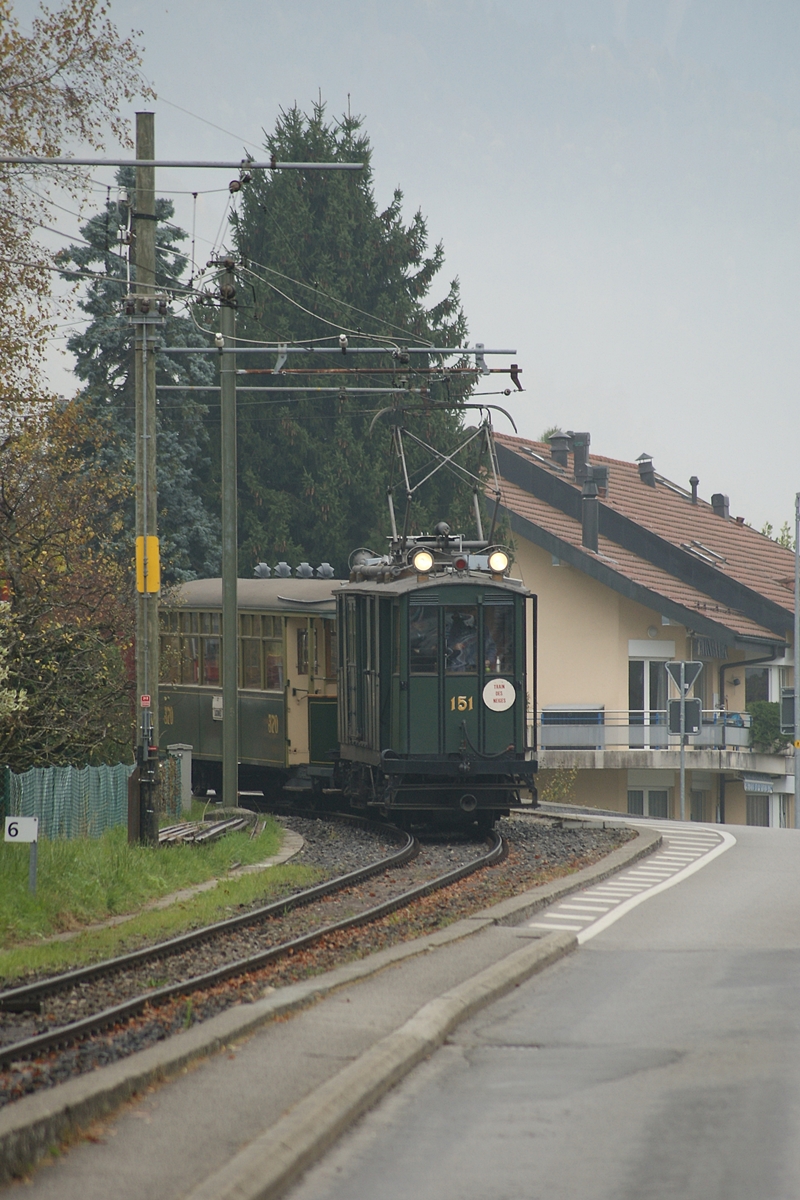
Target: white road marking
point(602, 905)
point(554, 916)
point(541, 925)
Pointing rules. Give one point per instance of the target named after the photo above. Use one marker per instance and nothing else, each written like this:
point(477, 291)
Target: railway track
point(225, 950)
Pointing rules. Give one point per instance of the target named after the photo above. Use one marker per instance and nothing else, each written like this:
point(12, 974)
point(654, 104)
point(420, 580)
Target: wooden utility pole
point(145, 319)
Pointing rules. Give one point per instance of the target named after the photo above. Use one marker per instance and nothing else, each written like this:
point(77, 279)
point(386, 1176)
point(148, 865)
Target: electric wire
point(197, 117)
point(333, 324)
point(328, 296)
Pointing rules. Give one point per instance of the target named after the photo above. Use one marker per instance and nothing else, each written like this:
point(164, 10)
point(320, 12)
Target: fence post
point(5, 792)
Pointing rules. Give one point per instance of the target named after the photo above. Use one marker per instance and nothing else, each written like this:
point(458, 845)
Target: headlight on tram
point(498, 562)
point(422, 561)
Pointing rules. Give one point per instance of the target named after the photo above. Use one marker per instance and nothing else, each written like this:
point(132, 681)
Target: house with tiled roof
point(633, 571)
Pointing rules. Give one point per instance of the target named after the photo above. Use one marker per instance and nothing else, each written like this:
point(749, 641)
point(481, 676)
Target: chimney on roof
point(590, 513)
point(560, 446)
point(600, 476)
point(580, 456)
point(721, 505)
point(694, 481)
point(647, 472)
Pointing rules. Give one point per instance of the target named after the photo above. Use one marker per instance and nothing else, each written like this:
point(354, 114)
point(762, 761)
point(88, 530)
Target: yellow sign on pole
point(148, 565)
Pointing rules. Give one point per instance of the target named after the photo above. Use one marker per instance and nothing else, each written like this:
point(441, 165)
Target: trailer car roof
point(263, 595)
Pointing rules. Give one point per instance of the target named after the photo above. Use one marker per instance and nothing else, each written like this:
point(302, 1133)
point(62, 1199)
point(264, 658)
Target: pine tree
point(320, 259)
point(188, 525)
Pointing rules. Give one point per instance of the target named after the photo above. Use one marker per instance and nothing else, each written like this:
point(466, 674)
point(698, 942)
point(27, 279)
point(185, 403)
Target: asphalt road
point(661, 1060)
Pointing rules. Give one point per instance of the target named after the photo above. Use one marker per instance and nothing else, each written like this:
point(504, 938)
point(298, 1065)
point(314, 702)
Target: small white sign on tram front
point(499, 694)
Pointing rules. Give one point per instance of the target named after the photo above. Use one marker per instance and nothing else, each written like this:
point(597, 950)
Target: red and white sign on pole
point(145, 701)
point(499, 694)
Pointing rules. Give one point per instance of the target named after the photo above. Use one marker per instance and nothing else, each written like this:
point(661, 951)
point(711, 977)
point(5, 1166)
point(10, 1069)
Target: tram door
point(423, 676)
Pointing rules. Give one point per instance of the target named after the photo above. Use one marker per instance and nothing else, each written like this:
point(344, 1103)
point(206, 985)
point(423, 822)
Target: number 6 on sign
point(22, 829)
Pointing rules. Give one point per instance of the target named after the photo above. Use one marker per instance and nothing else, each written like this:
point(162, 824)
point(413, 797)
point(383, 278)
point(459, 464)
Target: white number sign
point(22, 829)
point(499, 694)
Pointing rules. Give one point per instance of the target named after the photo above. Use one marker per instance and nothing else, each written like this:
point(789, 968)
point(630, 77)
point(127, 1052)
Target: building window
point(756, 685)
point(757, 809)
point(699, 806)
point(648, 802)
point(647, 703)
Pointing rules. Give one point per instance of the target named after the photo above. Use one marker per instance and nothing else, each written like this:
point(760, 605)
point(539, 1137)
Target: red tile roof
point(666, 510)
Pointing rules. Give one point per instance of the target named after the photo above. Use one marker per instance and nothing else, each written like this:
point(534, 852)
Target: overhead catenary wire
point(336, 300)
point(333, 324)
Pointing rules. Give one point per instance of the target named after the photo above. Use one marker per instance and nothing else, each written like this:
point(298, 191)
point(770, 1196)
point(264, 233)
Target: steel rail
point(22, 998)
point(75, 1031)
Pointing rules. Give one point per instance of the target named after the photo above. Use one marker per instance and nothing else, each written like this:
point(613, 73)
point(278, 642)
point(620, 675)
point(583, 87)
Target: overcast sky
point(615, 183)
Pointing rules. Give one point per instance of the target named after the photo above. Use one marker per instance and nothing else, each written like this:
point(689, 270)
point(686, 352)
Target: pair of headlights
point(422, 561)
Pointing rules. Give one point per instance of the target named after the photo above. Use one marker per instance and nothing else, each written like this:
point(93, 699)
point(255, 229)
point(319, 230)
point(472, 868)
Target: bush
point(765, 731)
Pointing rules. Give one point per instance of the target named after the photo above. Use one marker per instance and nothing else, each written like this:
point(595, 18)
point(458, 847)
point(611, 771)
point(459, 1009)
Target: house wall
point(584, 630)
point(583, 633)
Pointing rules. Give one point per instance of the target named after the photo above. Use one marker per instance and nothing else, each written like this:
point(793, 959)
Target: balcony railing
point(581, 728)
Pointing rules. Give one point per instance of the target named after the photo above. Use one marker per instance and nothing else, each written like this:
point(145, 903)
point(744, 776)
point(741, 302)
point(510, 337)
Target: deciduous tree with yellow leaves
point(65, 80)
point(65, 632)
point(65, 601)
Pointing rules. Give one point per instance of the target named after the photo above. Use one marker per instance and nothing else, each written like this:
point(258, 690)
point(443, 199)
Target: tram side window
point(250, 643)
point(170, 653)
point(302, 652)
point(423, 639)
point(210, 629)
point(190, 647)
point(273, 652)
point(331, 652)
point(461, 639)
point(498, 639)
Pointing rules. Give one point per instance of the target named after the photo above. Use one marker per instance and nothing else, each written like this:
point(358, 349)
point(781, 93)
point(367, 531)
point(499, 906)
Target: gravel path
point(539, 850)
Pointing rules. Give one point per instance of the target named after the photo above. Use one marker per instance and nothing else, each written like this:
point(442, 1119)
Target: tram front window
point(498, 639)
point(423, 639)
point(461, 640)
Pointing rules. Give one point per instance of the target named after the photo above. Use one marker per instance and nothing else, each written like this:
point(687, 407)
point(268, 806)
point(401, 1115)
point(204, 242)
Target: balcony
point(575, 727)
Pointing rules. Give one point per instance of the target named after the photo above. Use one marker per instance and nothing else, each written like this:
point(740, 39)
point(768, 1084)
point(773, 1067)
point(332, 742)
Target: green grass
point(155, 925)
point(84, 881)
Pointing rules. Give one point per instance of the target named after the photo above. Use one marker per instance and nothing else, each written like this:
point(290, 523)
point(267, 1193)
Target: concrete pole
point(230, 558)
point(796, 683)
point(144, 284)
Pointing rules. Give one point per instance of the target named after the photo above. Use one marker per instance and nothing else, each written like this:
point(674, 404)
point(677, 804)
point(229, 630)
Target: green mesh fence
point(70, 802)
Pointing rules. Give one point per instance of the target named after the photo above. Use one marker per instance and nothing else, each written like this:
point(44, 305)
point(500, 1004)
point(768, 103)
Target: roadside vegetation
point(82, 882)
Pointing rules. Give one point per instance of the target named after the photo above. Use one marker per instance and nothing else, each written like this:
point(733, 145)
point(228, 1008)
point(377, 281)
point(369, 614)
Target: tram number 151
point(461, 703)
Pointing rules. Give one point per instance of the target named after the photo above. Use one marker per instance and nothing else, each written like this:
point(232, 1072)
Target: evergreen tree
point(321, 260)
point(188, 525)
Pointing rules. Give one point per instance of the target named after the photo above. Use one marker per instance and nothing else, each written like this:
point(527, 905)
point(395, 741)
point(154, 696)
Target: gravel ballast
point(540, 850)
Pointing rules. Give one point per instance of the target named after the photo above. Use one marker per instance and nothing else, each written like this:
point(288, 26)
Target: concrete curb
point(31, 1126)
point(265, 1168)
